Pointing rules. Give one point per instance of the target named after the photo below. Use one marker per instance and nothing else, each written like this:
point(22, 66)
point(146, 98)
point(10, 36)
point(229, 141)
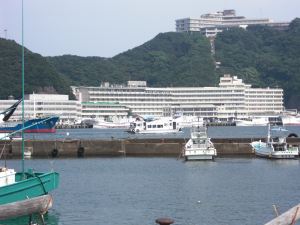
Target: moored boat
point(276, 146)
point(47, 126)
point(290, 119)
point(6, 126)
point(189, 121)
point(199, 147)
point(153, 127)
point(112, 124)
point(14, 188)
point(255, 121)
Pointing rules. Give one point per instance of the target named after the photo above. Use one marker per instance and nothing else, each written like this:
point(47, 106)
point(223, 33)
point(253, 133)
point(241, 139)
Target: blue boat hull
point(44, 127)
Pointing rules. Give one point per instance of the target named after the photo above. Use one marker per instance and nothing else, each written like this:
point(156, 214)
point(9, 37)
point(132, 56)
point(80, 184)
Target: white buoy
point(199, 201)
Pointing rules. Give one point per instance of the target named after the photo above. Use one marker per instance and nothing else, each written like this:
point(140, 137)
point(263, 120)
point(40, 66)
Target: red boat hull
point(40, 131)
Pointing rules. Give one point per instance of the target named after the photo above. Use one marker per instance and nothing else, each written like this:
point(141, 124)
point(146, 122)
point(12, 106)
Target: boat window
point(149, 126)
point(132, 125)
point(165, 124)
point(170, 124)
point(154, 126)
point(159, 126)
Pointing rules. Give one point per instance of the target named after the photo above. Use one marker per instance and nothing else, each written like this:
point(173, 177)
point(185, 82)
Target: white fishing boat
point(153, 127)
point(189, 121)
point(124, 123)
point(276, 146)
point(199, 147)
point(110, 122)
point(290, 119)
point(255, 121)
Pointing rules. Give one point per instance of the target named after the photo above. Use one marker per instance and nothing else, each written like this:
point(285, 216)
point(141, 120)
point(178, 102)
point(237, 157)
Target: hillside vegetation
point(38, 72)
point(263, 57)
point(175, 59)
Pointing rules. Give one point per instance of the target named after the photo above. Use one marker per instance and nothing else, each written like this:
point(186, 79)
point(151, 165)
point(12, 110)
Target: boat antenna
point(23, 137)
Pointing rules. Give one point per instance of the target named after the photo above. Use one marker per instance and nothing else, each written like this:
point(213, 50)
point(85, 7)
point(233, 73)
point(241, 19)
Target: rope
point(41, 214)
point(51, 162)
point(2, 151)
point(42, 184)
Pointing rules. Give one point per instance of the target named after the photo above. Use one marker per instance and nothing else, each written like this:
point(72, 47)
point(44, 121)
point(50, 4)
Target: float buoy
point(55, 152)
point(80, 150)
point(293, 135)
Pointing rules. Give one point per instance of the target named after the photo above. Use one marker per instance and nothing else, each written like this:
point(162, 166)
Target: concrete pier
point(73, 126)
point(135, 146)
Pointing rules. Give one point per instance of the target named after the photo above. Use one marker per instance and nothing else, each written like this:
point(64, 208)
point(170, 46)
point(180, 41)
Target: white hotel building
point(232, 99)
point(211, 23)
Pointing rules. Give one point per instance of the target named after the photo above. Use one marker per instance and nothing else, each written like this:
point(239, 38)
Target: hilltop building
point(211, 23)
point(232, 99)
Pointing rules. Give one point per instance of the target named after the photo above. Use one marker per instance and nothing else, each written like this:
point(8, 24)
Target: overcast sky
point(107, 28)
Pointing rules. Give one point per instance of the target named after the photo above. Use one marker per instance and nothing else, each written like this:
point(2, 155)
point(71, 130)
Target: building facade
point(232, 99)
point(211, 23)
point(45, 105)
point(103, 109)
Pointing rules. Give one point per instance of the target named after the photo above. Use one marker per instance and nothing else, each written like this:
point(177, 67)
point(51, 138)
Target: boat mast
point(34, 113)
point(269, 133)
point(23, 137)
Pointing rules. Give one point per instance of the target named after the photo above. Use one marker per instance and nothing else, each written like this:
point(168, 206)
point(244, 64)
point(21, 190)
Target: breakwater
point(126, 146)
point(73, 126)
point(209, 124)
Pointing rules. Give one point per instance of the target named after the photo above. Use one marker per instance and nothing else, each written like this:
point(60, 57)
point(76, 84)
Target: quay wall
point(136, 146)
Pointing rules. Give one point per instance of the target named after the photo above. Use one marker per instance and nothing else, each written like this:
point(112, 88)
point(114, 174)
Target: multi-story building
point(232, 99)
point(211, 23)
point(103, 109)
point(45, 105)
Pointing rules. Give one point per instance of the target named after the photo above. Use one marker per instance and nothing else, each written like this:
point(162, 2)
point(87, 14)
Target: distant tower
point(5, 35)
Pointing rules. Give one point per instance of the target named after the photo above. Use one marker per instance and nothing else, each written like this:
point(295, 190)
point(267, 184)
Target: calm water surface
point(231, 131)
point(138, 190)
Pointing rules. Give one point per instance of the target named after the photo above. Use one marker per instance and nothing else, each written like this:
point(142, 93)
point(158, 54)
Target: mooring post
point(164, 221)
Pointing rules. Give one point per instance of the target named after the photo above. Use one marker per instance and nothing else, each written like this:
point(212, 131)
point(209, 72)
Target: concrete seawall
point(137, 146)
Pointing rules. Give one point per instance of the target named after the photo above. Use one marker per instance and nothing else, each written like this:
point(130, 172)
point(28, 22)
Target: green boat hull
point(32, 186)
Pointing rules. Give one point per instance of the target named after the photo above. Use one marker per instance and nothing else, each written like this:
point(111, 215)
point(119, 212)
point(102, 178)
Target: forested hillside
point(263, 57)
point(39, 73)
point(175, 59)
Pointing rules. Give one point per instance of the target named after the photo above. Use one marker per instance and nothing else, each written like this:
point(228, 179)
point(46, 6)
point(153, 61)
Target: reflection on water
point(128, 190)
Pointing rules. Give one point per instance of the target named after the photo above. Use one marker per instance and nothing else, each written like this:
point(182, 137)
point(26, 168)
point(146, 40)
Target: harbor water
point(214, 132)
point(138, 190)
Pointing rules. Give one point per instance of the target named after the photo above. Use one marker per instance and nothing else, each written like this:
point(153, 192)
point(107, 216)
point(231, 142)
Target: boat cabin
point(153, 125)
